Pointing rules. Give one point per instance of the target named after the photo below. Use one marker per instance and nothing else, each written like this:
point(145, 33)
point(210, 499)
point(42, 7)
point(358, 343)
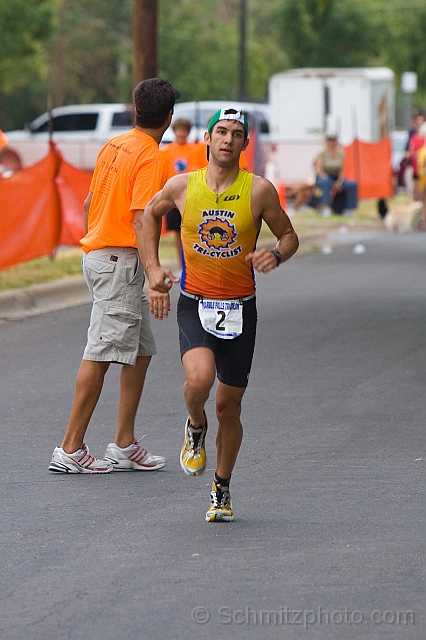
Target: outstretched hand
point(161, 279)
point(262, 260)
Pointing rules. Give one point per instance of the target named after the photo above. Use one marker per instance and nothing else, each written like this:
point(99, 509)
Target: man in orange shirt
point(129, 171)
point(181, 156)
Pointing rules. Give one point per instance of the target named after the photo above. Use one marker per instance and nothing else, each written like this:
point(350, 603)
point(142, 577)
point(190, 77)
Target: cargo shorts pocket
point(135, 279)
point(120, 327)
point(98, 275)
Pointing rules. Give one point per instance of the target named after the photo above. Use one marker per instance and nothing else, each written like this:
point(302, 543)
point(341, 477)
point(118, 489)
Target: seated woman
point(337, 194)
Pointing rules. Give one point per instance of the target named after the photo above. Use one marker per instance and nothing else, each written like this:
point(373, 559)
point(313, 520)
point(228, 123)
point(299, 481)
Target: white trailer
point(308, 103)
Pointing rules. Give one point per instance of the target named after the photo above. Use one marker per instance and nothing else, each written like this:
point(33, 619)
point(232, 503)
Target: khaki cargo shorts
point(120, 329)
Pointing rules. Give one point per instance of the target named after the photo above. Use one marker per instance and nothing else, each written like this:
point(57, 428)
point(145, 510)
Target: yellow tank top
point(217, 233)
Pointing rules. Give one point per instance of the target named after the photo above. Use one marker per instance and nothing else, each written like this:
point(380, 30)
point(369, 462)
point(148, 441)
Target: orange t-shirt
point(128, 173)
point(182, 158)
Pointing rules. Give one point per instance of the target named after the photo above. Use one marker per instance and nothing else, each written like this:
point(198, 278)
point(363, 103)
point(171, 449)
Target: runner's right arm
point(160, 279)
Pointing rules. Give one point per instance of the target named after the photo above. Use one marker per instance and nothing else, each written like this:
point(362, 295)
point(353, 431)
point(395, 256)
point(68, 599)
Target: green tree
point(92, 52)
point(403, 44)
point(82, 51)
point(327, 33)
point(199, 47)
point(86, 57)
point(24, 27)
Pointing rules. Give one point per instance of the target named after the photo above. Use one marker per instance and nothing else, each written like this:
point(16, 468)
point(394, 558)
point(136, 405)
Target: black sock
point(224, 482)
point(201, 426)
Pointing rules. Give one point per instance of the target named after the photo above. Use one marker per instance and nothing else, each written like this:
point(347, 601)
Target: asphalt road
point(328, 491)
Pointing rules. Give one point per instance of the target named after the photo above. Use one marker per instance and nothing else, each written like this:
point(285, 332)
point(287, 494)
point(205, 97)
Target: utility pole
point(145, 40)
point(242, 93)
point(58, 74)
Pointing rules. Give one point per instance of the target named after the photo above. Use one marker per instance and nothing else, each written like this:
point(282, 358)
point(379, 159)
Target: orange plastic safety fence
point(369, 164)
point(73, 185)
point(30, 212)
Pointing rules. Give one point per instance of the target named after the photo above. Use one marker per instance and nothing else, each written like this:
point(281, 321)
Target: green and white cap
point(228, 114)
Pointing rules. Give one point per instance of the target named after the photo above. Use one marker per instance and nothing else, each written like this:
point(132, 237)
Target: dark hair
point(153, 100)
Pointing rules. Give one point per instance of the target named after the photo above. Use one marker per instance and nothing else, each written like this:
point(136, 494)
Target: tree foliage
point(91, 52)
point(82, 50)
point(24, 27)
point(403, 39)
point(326, 33)
point(199, 47)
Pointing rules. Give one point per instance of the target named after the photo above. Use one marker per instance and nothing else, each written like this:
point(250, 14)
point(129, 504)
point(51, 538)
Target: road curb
point(41, 298)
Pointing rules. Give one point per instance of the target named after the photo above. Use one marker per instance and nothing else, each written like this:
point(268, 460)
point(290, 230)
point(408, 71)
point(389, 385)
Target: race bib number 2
point(222, 318)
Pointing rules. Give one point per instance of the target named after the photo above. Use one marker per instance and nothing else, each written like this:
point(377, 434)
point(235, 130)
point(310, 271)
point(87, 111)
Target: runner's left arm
point(266, 206)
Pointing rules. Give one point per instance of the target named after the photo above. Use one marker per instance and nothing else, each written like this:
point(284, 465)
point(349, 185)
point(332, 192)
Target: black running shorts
point(233, 357)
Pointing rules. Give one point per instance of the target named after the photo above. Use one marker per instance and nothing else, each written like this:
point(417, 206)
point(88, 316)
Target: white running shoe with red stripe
point(133, 457)
point(78, 462)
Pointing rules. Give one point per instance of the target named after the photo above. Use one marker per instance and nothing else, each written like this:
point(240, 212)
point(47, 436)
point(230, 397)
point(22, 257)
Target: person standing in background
point(180, 156)
point(421, 167)
point(415, 143)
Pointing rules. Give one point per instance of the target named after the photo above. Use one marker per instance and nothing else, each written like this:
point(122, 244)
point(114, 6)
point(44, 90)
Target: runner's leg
point(200, 371)
point(230, 430)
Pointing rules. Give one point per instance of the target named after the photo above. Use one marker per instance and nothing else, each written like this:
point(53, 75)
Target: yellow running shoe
point(193, 457)
point(220, 507)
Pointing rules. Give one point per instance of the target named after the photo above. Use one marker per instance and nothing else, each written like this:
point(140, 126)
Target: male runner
point(222, 211)
point(129, 171)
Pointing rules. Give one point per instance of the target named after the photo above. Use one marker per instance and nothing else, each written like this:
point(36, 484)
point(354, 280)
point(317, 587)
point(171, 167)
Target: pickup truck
point(78, 130)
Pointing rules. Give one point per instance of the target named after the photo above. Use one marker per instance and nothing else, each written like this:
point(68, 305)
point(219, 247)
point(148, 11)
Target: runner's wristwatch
point(278, 257)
